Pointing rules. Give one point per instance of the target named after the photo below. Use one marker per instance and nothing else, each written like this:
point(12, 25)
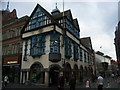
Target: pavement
point(113, 84)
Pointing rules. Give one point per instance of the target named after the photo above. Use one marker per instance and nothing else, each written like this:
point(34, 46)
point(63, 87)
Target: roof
point(38, 6)
point(66, 14)
point(53, 18)
point(107, 57)
point(55, 10)
point(24, 18)
point(99, 53)
point(57, 16)
point(86, 42)
point(75, 21)
point(47, 13)
point(8, 16)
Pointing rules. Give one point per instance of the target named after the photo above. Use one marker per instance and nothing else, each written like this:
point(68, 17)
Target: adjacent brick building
point(11, 44)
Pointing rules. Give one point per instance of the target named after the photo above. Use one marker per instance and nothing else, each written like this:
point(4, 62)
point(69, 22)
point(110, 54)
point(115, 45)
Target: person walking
point(113, 76)
point(72, 82)
point(5, 80)
point(61, 82)
point(108, 85)
point(100, 81)
point(93, 78)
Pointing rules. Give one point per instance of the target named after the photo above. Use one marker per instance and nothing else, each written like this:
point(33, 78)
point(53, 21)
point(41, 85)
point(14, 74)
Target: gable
point(69, 15)
point(39, 17)
point(75, 21)
point(86, 42)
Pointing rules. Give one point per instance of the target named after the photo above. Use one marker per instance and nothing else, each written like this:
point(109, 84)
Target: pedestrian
point(72, 82)
point(100, 81)
point(113, 75)
point(61, 82)
point(93, 78)
point(81, 78)
point(116, 76)
point(108, 85)
point(5, 80)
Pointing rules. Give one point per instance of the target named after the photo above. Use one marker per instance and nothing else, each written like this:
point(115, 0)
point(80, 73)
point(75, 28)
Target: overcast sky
point(96, 19)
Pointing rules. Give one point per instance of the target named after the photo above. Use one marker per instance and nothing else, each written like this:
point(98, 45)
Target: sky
point(97, 18)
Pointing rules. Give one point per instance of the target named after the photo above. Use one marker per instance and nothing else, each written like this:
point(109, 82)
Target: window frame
point(54, 43)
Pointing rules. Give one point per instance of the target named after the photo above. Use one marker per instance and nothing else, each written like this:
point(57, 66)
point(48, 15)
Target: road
point(113, 84)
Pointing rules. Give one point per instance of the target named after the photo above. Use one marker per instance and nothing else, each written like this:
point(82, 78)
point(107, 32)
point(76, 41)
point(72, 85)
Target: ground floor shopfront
point(11, 68)
point(49, 76)
point(13, 73)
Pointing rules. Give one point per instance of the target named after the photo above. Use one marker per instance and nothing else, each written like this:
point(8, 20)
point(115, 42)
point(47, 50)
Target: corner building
point(51, 45)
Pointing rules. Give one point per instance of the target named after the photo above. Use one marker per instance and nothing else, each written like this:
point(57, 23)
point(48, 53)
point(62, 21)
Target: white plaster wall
point(39, 31)
point(44, 59)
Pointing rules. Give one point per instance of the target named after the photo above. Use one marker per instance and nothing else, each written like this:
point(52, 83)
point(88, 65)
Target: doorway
point(54, 75)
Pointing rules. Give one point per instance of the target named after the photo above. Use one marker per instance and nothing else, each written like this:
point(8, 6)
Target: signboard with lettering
point(11, 60)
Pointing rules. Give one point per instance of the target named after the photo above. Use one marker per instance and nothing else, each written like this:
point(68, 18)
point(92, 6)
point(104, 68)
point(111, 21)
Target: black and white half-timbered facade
point(52, 45)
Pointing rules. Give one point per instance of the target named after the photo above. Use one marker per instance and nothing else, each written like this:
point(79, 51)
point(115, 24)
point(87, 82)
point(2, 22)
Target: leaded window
point(68, 47)
point(85, 56)
point(89, 58)
point(37, 45)
point(76, 53)
point(25, 50)
point(38, 19)
point(71, 27)
point(81, 55)
point(55, 43)
point(26, 45)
